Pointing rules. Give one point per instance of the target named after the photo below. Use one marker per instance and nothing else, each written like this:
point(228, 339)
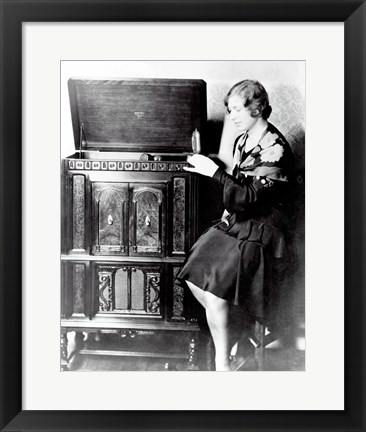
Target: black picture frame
point(13, 14)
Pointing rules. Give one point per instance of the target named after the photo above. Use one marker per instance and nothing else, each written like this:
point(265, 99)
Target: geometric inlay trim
point(78, 215)
point(78, 287)
point(126, 166)
point(178, 297)
point(179, 210)
point(152, 295)
point(105, 291)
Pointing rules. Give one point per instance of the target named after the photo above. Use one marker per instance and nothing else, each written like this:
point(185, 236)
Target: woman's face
point(239, 114)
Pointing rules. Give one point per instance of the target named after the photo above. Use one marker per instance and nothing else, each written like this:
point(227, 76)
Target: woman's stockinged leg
point(217, 313)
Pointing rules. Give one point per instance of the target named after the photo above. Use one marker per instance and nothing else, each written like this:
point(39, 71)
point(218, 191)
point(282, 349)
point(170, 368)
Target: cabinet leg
point(192, 352)
point(64, 355)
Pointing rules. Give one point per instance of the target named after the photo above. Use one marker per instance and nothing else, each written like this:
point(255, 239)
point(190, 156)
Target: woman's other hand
point(201, 165)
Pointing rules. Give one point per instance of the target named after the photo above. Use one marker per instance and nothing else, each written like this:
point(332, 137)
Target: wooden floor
point(90, 355)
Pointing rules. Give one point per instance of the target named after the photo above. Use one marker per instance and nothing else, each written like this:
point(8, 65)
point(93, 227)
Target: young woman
point(238, 262)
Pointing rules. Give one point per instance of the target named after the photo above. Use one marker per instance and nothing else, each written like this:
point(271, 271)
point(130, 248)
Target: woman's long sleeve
point(238, 195)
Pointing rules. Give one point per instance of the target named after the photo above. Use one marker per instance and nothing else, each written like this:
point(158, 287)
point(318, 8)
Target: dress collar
point(255, 135)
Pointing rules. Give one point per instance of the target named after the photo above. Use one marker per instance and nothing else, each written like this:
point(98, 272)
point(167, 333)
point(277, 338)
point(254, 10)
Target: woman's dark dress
point(245, 261)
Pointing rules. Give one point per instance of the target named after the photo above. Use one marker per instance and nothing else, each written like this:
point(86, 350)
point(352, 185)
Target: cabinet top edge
point(140, 81)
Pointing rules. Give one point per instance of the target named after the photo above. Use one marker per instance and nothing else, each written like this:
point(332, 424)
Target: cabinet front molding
point(179, 215)
point(78, 213)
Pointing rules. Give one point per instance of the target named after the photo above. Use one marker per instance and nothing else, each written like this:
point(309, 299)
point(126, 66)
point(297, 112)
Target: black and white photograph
point(182, 191)
point(183, 216)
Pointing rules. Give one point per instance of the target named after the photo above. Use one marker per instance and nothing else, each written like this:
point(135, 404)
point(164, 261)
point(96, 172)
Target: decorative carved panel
point(78, 288)
point(153, 292)
point(179, 213)
point(78, 212)
point(178, 298)
point(105, 291)
point(129, 289)
point(147, 223)
point(110, 217)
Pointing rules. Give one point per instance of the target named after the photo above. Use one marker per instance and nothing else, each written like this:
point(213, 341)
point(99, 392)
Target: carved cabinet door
point(110, 218)
point(147, 219)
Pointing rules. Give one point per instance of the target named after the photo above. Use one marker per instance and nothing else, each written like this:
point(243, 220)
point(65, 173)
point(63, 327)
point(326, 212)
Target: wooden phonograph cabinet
point(129, 211)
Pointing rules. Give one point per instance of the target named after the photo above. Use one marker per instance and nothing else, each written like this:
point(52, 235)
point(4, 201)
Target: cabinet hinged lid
point(157, 115)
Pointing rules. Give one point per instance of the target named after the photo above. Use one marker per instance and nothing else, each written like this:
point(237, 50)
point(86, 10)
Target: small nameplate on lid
point(139, 114)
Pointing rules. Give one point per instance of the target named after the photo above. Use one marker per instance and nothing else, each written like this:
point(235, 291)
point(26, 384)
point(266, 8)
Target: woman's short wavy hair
point(254, 95)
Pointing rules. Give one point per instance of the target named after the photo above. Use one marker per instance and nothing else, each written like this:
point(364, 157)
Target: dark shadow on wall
point(291, 304)
point(211, 206)
point(295, 292)
point(212, 137)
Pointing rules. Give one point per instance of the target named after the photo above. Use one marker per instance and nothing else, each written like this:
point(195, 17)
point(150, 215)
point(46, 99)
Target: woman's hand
point(201, 165)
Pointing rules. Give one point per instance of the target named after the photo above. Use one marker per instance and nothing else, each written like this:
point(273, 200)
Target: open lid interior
point(157, 115)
